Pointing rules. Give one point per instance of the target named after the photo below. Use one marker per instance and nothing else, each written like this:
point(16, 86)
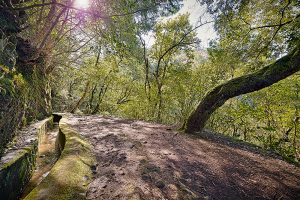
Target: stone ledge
point(18, 163)
point(71, 174)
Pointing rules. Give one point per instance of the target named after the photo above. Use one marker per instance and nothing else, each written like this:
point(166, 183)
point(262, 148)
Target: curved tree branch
point(258, 80)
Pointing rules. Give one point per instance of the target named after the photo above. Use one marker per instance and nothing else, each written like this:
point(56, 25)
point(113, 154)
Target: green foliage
point(10, 82)
point(105, 56)
point(117, 75)
point(6, 87)
point(267, 118)
point(8, 54)
point(253, 34)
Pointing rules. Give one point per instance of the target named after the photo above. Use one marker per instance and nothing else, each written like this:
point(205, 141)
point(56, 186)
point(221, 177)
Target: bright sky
point(204, 33)
point(82, 4)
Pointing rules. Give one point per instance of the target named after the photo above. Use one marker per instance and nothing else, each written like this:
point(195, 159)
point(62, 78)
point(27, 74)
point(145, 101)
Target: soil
point(141, 160)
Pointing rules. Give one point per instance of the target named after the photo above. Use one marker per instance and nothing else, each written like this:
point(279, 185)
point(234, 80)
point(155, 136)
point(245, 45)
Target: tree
point(40, 40)
point(277, 35)
point(173, 38)
point(260, 79)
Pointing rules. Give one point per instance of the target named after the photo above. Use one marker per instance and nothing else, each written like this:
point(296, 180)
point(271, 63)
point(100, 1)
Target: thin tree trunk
point(102, 92)
point(282, 68)
point(160, 103)
point(82, 97)
point(90, 104)
point(53, 24)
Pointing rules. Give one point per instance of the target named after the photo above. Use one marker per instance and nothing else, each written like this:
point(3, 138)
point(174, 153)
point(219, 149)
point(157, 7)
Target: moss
point(19, 155)
point(67, 179)
point(50, 124)
point(16, 173)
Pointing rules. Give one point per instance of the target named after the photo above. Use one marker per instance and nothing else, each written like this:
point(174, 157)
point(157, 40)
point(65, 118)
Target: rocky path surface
point(140, 160)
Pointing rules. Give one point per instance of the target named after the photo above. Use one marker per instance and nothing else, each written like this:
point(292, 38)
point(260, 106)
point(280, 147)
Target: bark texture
point(279, 70)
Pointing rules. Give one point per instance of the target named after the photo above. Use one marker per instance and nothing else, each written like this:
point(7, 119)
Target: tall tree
point(270, 33)
point(173, 38)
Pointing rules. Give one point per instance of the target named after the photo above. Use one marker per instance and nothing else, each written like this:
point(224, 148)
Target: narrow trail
point(141, 160)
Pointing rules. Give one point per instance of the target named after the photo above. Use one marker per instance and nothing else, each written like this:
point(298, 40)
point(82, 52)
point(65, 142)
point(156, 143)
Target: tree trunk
point(90, 104)
point(160, 103)
point(78, 104)
point(282, 68)
point(102, 92)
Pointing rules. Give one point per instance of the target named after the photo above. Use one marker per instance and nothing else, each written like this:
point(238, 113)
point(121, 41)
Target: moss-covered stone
point(16, 171)
point(69, 177)
point(20, 103)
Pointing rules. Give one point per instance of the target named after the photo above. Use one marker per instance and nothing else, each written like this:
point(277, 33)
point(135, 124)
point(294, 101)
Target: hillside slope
point(140, 160)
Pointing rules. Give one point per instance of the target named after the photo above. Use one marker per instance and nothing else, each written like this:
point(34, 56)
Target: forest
point(144, 60)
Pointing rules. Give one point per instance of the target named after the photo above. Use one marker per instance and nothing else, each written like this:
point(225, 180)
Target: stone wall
point(71, 174)
point(24, 92)
point(18, 164)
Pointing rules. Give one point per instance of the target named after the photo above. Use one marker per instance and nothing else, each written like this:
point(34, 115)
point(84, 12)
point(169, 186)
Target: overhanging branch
point(258, 80)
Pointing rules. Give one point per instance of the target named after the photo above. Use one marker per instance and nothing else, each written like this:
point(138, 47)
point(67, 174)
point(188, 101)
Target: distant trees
point(171, 51)
point(139, 77)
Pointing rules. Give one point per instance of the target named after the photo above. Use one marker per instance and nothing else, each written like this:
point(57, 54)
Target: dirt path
point(140, 160)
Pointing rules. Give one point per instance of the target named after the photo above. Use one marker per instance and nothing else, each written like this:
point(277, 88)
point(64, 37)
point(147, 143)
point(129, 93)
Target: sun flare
point(82, 4)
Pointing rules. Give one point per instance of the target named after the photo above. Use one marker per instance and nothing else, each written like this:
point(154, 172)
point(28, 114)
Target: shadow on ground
point(140, 160)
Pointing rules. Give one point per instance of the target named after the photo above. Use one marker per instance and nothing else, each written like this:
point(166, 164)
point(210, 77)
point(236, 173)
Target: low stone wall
point(17, 164)
point(71, 174)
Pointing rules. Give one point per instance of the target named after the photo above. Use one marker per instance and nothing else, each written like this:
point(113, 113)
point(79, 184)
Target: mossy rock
point(17, 165)
point(69, 177)
point(15, 174)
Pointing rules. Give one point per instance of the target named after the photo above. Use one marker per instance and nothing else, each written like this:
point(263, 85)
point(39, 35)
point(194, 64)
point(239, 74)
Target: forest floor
point(141, 160)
